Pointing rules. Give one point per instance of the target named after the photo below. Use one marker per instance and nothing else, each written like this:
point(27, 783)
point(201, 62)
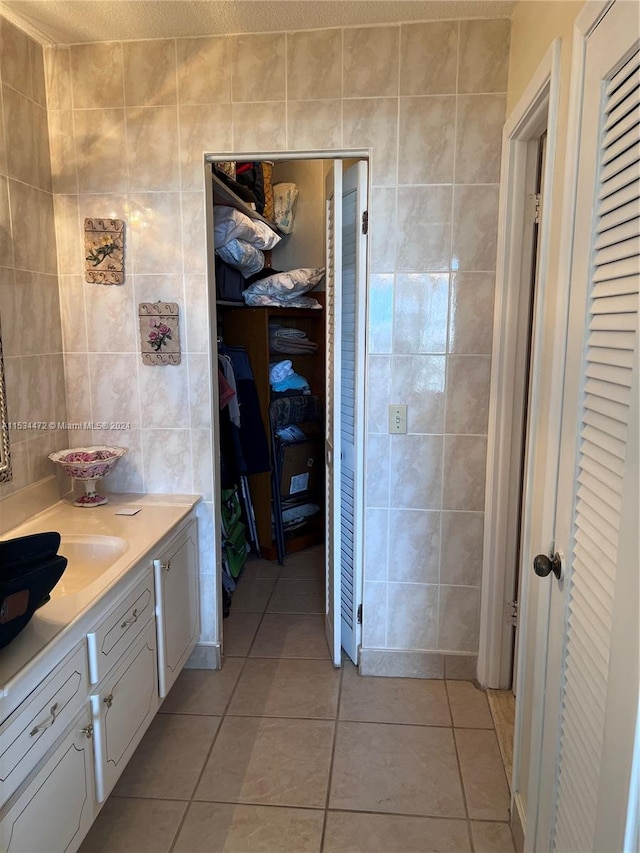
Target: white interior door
point(351, 439)
point(583, 795)
point(333, 243)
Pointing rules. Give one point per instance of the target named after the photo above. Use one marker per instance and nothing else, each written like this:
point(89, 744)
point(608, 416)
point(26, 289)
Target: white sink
point(88, 557)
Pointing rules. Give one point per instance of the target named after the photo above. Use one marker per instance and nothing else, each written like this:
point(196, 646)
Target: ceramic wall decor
point(159, 332)
point(104, 251)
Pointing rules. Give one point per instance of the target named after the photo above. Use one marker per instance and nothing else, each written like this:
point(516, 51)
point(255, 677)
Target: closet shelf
point(222, 194)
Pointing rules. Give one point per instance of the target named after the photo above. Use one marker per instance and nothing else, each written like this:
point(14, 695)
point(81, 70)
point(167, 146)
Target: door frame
point(536, 111)
point(208, 158)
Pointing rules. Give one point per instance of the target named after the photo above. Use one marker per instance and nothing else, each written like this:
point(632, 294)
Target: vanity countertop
point(53, 621)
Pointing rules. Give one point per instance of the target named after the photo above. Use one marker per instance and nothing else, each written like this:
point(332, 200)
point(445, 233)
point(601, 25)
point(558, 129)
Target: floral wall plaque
point(159, 332)
point(104, 251)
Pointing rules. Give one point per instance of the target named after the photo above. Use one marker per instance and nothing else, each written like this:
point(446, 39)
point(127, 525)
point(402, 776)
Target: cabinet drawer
point(54, 810)
point(35, 725)
point(123, 709)
point(117, 631)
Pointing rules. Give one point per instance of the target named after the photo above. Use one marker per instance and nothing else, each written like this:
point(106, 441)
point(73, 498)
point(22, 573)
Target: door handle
point(543, 565)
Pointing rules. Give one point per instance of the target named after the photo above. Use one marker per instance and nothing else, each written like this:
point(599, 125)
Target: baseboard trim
point(205, 656)
point(517, 825)
point(417, 664)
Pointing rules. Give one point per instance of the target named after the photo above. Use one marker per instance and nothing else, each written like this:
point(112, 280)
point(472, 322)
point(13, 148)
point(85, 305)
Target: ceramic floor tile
point(260, 570)
point(287, 688)
point(282, 636)
point(402, 769)
point(469, 706)
point(492, 837)
point(297, 596)
point(348, 832)
point(418, 701)
point(485, 783)
point(269, 761)
point(252, 596)
point(168, 761)
point(238, 631)
point(304, 565)
point(134, 826)
point(202, 691)
point(225, 828)
point(503, 712)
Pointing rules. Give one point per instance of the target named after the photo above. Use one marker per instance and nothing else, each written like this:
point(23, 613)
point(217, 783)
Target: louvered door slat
point(608, 370)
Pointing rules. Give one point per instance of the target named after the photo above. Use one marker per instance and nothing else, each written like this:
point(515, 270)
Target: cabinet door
point(177, 609)
point(123, 709)
point(55, 809)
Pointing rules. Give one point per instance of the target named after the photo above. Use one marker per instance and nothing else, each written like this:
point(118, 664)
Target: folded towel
point(280, 370)
point(292, 381)
point(291, 346)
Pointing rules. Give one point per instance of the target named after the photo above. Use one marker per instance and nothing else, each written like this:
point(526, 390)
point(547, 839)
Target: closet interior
point(269, 240)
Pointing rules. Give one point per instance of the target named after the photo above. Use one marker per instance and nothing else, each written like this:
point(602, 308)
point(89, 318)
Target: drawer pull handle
point(166, 567)
point(54, 710)
point(134, 619)
point(88, 730)
point(108, 700)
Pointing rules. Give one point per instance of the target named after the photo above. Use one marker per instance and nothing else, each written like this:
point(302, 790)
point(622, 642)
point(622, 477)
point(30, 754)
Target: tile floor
point(281, 753)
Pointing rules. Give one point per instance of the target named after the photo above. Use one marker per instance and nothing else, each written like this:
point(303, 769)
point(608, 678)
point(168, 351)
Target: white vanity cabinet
point(55, 808)
point(122, 710)
point(177, 605)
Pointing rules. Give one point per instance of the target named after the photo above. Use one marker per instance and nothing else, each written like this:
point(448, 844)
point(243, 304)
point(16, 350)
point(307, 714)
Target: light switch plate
point(397, 419)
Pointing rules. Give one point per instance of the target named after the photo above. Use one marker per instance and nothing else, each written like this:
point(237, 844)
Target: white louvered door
point(600, 376)
point(354, 253)
point(333, 224)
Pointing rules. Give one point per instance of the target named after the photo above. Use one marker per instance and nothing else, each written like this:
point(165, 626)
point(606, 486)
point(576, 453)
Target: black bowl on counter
point(30, 567)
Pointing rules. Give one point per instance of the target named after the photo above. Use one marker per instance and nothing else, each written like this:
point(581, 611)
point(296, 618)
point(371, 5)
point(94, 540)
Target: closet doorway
point(304, 497)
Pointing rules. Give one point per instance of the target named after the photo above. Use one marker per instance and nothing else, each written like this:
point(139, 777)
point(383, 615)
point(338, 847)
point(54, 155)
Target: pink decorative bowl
point(88, 464)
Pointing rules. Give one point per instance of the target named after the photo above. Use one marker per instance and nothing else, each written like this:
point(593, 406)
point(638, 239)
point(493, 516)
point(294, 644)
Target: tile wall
point(29, 301)
point(129, 123)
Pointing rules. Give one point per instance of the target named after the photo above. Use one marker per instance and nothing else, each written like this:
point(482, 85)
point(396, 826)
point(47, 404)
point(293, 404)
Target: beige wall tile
point(15, 58)
point(26, 217)
point(110, 318)
point(63, 151)
point(257, 67)
point(12, 340)
point(427, 134)
point(471, 315)
point(152, 145)
point(377, 468)
point(164, 398)
point(76, 371)
point(420, 321)
point(475, 224)
point(424, 228)
point(314, 124)
point(202, 461)
point(114, 388)
point(428, 58)
point(204, 74)
point(194, 256)
point(259, 127)
point(199, 394)
point(370, 62)
point(3, 144)
point(468, 381)
point(39, 88)
point(314, 65)
point(462, 540)
point(202, 129)
point(68, 231)
point(464, 462)
point(196, 314)
point(72, 310)
point(479, 138)
point(415, 549)
point(42, 148)
point(416, 471)
point(379, 393)
point(57, 63)
point(32, 307)
point(97, 75)
point(484, 56)
point(459, 618)
point(6, 243)
point(127, 476)
point(405, 664)
point(374, 619)
point(376, 542)
point(380, 313)
point(101, 151)
point(373, 123)
point(38, 398)
point(382, 227)
point(19, 115)
point(418, 383)
point(155, 220)
point(149, 72)
point(167, 459)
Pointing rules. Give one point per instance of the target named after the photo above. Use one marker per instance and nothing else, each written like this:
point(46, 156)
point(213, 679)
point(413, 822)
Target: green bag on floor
point(234, 549)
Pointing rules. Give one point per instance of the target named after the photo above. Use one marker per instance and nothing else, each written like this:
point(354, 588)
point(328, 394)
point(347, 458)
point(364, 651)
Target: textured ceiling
point(78, 21)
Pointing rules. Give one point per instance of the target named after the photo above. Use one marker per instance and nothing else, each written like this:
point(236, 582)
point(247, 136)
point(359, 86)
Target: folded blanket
point(280, 370)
